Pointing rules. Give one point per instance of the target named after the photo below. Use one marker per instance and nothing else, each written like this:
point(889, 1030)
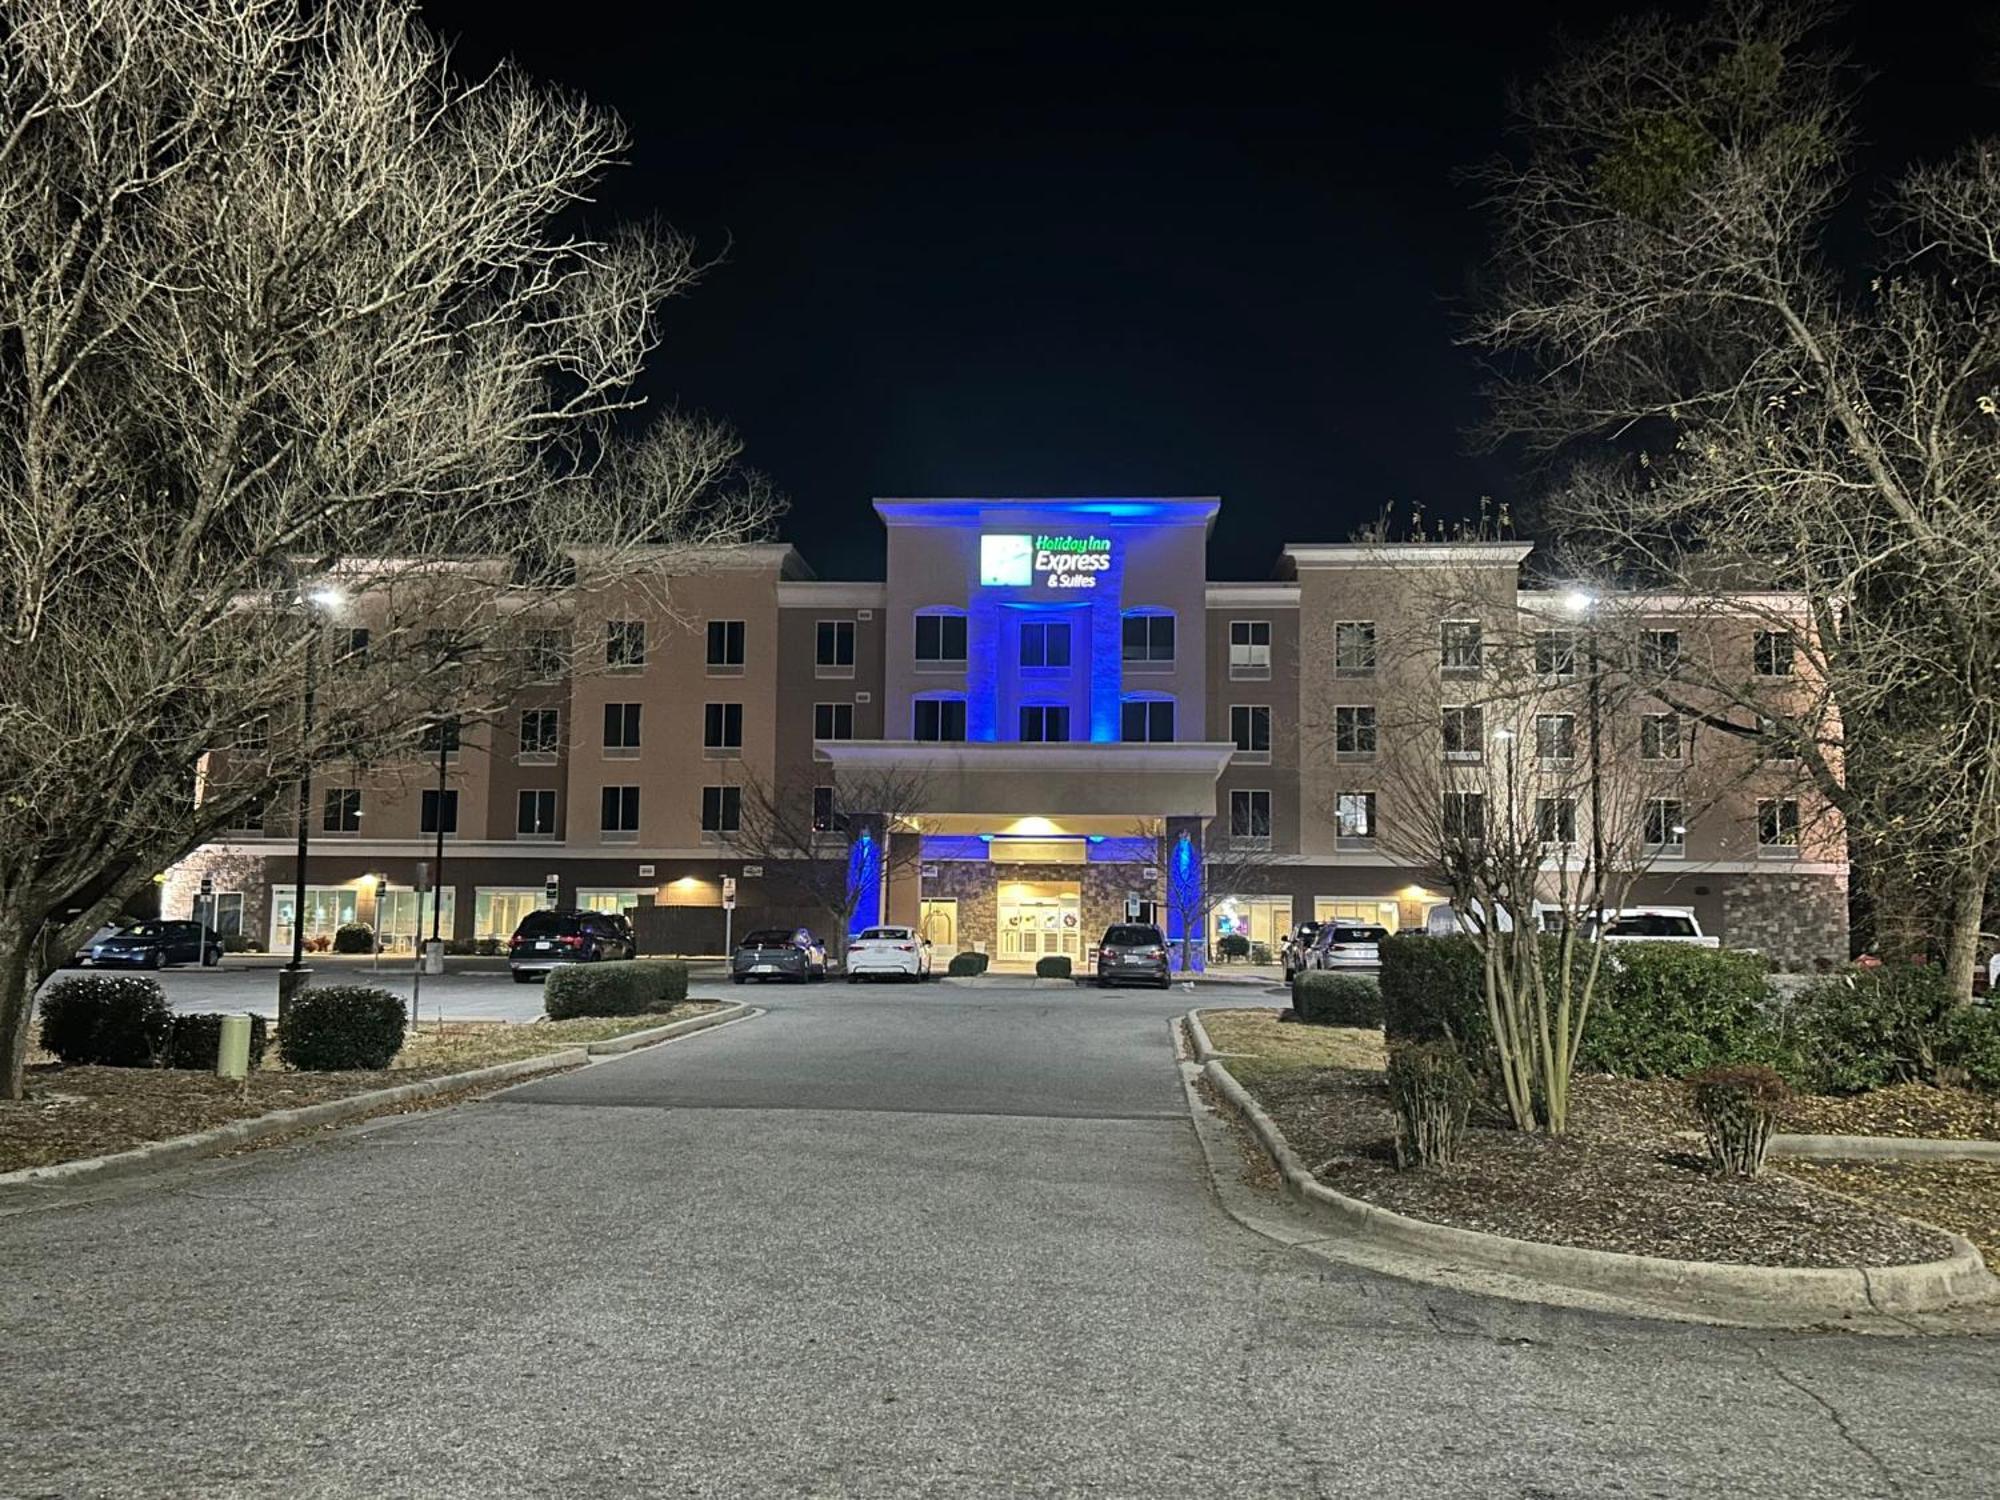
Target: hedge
point(341, 1027)
point(963, 964)
point(1052, 966)
point(111, 1020)
point(1328, 999)
point(197, 1039)
point(354, 937)
point(1232, 945)
point(1432, 990)
point(1663, 1010)
point(1868, 1027)
point(635, 988)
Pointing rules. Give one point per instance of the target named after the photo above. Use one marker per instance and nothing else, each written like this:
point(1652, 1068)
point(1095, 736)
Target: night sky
point(1015, 250)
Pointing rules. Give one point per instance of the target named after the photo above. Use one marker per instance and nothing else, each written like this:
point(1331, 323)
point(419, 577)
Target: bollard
point(232, 1056)
point(434, 957)
point(290, 982)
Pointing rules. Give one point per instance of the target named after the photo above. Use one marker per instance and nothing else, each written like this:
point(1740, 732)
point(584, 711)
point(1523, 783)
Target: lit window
point(1354, 815)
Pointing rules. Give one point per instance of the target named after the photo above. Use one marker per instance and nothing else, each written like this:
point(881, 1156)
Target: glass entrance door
point(1040, 917)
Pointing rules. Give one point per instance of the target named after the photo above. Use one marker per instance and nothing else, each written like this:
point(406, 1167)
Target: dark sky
point(1004, 250)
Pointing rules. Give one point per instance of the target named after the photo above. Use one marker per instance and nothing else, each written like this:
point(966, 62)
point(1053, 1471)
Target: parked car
point(1653, 924)
point(1446, 921)
point(546, 939)
point(152, 945)
point(778, 953)
point(896, 951)
point(1347, 946)
point(1297, 944)
point(1133, 953)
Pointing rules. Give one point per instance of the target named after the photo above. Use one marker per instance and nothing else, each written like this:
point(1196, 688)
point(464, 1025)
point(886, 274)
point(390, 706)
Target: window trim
point(555, 814)
point(722, 748)
point(1173, 717)
point(939, 664)
point(1251, 756)
point(1149, 663)
point(621, 834)
point(1253, 839)
point(836, 667)
point(1374, 652)
point(1251, 670)
point(725, 667)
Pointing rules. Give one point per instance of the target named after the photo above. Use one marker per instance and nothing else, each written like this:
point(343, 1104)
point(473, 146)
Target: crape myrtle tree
point(1224, 862)
point(1727, 401)
point(298, 340)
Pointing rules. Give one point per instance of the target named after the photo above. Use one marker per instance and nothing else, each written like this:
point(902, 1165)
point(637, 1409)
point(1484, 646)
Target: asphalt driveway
point(879, 1242)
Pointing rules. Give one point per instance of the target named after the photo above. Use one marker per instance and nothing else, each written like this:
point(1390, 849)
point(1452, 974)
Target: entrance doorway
point(1040, 917)
point(937, 924)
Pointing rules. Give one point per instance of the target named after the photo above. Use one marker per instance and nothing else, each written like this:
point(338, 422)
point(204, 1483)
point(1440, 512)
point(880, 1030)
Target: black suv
point(1133, 953)
point(547, 938)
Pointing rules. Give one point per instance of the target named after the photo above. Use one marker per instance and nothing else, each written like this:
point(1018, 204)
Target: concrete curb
point(1204, 1049)
point(732, 1011)
point(1883, 1148)
point(1700, 1289)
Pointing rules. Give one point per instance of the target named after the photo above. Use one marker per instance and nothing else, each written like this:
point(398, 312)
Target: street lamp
point(1582, 602)
point(316, 602)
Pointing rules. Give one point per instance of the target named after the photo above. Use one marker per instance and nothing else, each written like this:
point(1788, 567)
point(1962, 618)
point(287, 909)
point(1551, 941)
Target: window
point(940, 719)
point(625, 645)
point(725, 648)
point(1249, 648)
point(941, 639)
point(249, 818)
point(353, 648)
point(833, 648)
point(1660, 736)
point(1045, 645)
point(621, 730)
point(1354, 648)
point(1780, 747)
point(1464, 730)
point(1660, 651)
point(538, 733)
point(1778, 825)
point(341, 810)
point(543, 652)
point(1665, 829)
point(439, 736)
point(255, 737)
point(1354, 818)
point(1146, 720)
point(1555, 820)
point(429, 817)
point(1044, 723)
point(535, 814)
point(1354, 733)
point(721, 810)
point(618, 814)
point(833, 721)
point(1460, 644)
point(1465, 815)
point(1250, 816)
point(1250, 728)
point(1149, 639)
point(1772, 653)
point(1555, 736)
point(825, 819)
point(1555, 653)
point(722, 729)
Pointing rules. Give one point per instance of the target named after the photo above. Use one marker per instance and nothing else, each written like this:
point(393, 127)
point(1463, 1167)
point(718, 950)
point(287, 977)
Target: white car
point(896, 951)
point(1347, 946)
point(1654, 924)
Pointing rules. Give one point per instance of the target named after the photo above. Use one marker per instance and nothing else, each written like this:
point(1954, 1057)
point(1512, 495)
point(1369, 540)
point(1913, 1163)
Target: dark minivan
point(1133, 954)
point(778, 953)
point(548, 938)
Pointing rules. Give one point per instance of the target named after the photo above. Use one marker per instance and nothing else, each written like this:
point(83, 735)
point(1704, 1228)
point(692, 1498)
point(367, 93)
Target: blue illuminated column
point(1185, 906)
point(864, 881)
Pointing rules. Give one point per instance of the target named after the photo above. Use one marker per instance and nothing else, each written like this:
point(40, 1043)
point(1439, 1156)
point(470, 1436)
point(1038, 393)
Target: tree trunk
point(19, 976)
point(1961, 939)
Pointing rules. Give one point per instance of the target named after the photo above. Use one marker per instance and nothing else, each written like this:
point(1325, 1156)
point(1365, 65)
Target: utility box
point(232, 1054)
point(433, 956)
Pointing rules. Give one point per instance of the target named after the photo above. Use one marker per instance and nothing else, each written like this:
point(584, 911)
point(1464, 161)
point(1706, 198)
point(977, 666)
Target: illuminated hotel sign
point(1056, 562)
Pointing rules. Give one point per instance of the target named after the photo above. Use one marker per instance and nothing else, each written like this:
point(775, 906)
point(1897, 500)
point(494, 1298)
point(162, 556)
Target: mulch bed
point(1632, 1176)
point(1907, 1109)
point(1963, 1197)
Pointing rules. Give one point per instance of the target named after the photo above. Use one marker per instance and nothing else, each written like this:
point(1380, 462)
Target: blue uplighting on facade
point(1119, 851)
point(864, 882)
point(1184, 897)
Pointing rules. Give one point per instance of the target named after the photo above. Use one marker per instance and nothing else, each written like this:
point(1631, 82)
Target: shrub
point(1052, 966)
point(1972, 1043)
point(354, 937)
point(113, 1020)
point(489, 947)
point(1432, 1090)
point(238, 942)
point(198, 1038)
point(614, 989)
point(1739, 1105)
point(1664, 1010)
point(963, 964)
point(1232, 945)
point(1433, 990)
point(1328, 999)
point(341, 1027)
point(1868, 1027)
point(1260, 953)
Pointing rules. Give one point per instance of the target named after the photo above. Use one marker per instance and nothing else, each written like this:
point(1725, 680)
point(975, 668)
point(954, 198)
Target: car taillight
point(1156, 953)
point(906, 947)
point(571, 941)
point(514, 941)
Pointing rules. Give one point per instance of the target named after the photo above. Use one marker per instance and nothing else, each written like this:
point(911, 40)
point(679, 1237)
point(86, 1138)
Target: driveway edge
point(732, 1010)
point(1699, 1290)
point(1883, 1148)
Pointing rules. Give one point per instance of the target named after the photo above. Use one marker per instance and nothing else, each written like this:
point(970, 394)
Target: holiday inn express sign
point(1058, 561)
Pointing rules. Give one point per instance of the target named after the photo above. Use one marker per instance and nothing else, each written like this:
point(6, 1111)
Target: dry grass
point(1268, 1046)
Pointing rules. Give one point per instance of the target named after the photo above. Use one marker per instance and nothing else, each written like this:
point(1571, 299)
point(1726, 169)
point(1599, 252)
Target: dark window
point(341, 810)
point(1778, 823)
point(440, 735)
point(1464, 732)
point(1354, 648)
point(1146, 720)
point(1555, 653)
point(725, 643)
point(625, 644)
point(621, 726)
point(833, 644)
point(353, 648)
point(1250, 728)
point(1555, 820)
point(1354, 731)
point(255, 738)
point(618, 810)
point(941, 638)
point(545, 652)
point(249, 818)
point(1044, 722)
point(833, 721)
point(535, 813)
point(538, 731)
point(1460, 644)
point(940, 718)
point(721, 809)
point(1660, 737)
point(1045, 644)
point(1665, 822)
point(1465, 815)
point(429, 817)
point(1773, 651)
point(1149, 638)
point(1250, 815)
point(825, 819)
point(722, 726)
point(1660, 650)
point(1555, 736)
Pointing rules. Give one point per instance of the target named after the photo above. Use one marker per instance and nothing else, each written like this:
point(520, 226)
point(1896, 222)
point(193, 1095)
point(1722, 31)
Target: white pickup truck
point(1654, 924)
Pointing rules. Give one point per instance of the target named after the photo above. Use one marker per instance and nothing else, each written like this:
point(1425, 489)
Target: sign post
point(204, 913)
point(728, 914)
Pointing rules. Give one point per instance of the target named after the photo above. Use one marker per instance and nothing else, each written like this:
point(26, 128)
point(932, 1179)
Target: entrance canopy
point(1083, 787)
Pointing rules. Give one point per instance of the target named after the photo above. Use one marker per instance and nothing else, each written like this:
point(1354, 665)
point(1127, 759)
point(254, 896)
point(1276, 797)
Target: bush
point(1868, 1027)
point(1739, 1107)
point(198, 1038)
point(1231, 946)
point(1664, 1010)
point(963, 964)
point(238, 942)
point(1260, 953)
point(1972, 1044)
point(636, 988)
point(341, 1027)
point(354, 937)
point(1432, 1090)
point(1327, 999)
point(1052, 966)
point(1433, 990)
point(112, 1020)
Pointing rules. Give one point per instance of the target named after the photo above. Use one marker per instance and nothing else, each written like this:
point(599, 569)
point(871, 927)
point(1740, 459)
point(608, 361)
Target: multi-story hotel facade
point(1068, 708)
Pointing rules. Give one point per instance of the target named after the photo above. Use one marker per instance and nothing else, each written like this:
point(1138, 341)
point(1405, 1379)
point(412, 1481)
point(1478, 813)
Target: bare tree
point(294, 344)
point(1222, 862)
point(1736, 408)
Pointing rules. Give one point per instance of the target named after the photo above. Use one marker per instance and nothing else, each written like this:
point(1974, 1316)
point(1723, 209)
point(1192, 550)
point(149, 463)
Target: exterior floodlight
point(1503, 735)
point(1578, 601)
point(326, 596)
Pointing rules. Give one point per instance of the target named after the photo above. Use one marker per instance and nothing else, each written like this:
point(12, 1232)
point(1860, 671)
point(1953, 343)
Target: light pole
point(1582, 602)
point(294, 976)
point(434, 957)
